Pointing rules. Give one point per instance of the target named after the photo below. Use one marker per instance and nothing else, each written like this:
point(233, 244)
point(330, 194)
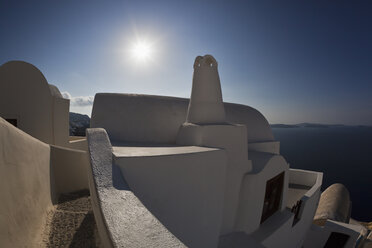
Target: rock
point(78, 124)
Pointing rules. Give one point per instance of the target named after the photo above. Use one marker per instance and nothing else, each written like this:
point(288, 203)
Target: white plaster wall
point(157, 119)
point(25, 187)
point(70, 169)
point(308, 178)
point(139, 118)
point(232, 138)
point(25, 95)
point(297, 233)
point(269, 147)
point(304, 177)
point(274, 232)
point(61, 124)
point(253, 188)
point(309, 204)
point(39, 108)
point(258, 128)
point(184, 191)
point(318, 235)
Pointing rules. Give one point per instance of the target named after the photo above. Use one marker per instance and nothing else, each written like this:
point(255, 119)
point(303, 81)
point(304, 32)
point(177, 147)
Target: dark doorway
point(336, 239)
point(273, 196)
point(12, 121)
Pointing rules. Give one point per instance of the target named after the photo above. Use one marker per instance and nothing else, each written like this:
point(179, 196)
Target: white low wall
point(25, 187)
point(274, 232)
point(185, 191)
point(305, 177)
point(32, 175)
point(310, 200)
point(70, 169)
point(122, 220)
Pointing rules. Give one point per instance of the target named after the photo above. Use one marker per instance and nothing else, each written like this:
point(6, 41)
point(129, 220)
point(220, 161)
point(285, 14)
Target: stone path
point(71, 223)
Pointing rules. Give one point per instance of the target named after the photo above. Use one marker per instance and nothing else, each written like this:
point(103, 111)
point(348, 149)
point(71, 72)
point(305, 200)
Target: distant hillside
point(283, 126)
point(78, 124)
point(308, 125)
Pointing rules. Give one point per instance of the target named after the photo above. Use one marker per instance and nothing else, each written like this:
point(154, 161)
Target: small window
point(273, 196)
point(337, 239)
point(13, 122)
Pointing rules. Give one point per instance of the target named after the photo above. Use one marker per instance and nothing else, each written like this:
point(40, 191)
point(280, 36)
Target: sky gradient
point(295, 61)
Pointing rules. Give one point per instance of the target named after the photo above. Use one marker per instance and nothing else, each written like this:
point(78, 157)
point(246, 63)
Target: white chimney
point(206, 105)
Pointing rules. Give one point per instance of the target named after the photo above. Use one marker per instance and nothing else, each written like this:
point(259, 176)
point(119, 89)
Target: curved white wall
point(25, 186)
point(258, 128)
point(157, 119)
point(40, 111)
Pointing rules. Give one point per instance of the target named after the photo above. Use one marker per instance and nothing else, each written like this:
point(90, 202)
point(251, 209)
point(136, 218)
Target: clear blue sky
point(295, 61)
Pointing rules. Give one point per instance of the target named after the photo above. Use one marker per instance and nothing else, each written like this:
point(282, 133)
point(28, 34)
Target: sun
point(141, 51)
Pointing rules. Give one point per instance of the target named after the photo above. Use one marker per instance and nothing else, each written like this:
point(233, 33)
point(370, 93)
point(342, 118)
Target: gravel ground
point(71, 223)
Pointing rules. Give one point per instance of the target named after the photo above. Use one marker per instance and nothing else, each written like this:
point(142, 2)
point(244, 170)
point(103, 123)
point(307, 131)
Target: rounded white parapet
point(33, 105)
point(206, 104)
point(334, 204)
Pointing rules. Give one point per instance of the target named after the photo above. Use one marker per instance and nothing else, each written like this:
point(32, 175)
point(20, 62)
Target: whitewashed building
point(162, 171)
point(210, 172)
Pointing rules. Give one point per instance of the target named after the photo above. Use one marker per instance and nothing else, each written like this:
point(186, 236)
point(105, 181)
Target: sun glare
point(141, 51)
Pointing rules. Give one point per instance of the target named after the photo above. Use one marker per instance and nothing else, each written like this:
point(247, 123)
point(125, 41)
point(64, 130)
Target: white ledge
point(148, 151)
